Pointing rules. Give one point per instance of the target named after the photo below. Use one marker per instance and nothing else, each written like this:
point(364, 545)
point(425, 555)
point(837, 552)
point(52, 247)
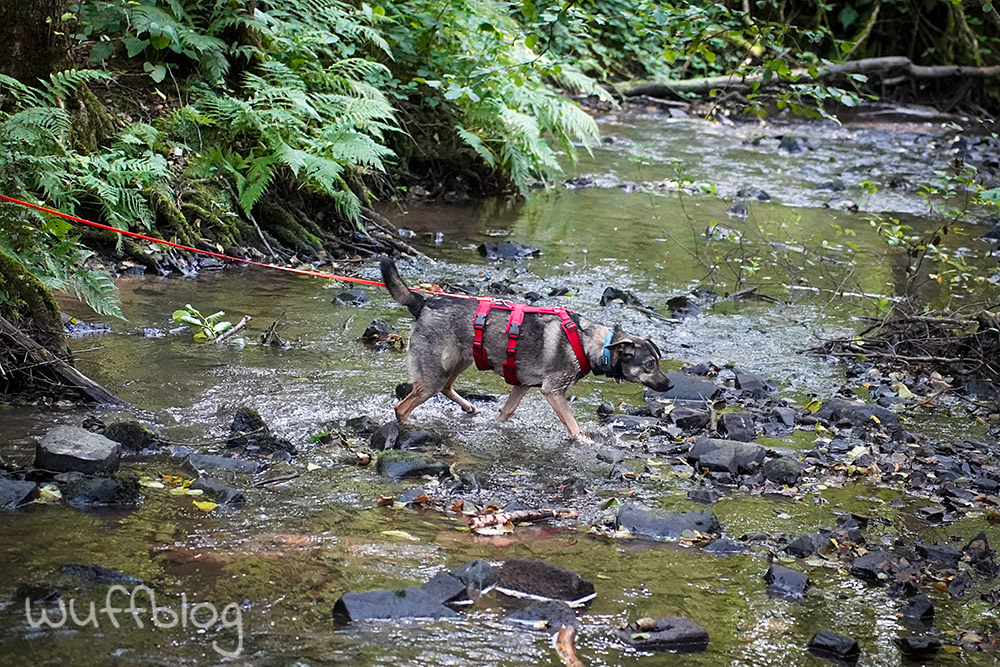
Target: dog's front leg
point(557, 399)
point(517, 392)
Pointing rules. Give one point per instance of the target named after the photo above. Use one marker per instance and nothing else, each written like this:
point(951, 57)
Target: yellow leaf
point(312, 466)
point(204, 505)
point(875, 419)
point(151, 483)
point(48, 494)
point(813, 405)
point(399, 533)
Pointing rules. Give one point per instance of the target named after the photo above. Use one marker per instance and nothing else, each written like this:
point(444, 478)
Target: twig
point(652, 313)
point(565, 646)
point(521, 516)
point(276, 480)
point(232, 332)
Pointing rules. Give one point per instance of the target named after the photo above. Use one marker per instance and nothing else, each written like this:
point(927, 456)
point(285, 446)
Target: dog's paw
point(583, 438)
point(471, 410)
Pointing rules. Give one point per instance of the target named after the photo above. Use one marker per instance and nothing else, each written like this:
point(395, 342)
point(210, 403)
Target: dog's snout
point(661, 383)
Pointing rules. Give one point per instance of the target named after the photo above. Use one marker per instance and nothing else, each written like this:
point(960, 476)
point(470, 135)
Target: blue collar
point(606, 352)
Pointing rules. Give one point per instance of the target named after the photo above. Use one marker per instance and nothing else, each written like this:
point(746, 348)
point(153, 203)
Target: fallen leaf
point(204, 505)
point(401, 534)
point(48, 494)
point(312, 466)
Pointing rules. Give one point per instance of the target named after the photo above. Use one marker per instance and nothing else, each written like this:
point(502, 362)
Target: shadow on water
point(296, 547)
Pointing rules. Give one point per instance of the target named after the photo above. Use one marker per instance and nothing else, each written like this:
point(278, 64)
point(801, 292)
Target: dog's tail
point(398, 289)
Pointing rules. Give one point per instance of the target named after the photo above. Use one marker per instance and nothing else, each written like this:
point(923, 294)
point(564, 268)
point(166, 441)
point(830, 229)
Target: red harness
point(517, 311)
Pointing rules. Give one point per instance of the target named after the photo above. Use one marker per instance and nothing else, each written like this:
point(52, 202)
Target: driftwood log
point(38, 358)
point(891, 65)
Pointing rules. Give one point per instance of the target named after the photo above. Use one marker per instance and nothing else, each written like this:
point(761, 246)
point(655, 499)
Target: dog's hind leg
point(417, 395)
point(557, 399)
point(517, 392)
point(450, 393)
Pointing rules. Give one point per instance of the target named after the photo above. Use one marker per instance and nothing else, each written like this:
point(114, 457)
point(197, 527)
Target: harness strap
point(573, 336)
point(513, 331)
point(478, 351)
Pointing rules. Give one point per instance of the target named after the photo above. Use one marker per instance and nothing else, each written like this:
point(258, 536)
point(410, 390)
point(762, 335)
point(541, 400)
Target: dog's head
point(637, 360)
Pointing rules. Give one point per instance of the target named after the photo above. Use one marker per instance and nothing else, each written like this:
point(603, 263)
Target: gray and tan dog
point(441, 349)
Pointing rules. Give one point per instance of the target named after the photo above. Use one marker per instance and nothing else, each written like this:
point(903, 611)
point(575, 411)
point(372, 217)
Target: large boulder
point(70, 448)
point(665, 525)
point(411, 602)
point(726, 455)
point(524, 577)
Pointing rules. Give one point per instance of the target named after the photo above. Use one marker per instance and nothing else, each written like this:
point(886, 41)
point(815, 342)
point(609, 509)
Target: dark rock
point(362, 425)
point(981, 556)
point(785, 583)
point(938, 554)
point(69, 448)
point(683, 387)
point(782, 471)
point(804, 546)
point(634, 423)
point(737, 426)
point(605, 410)
point(411, 602)
point(79, 329)
point(831, 645)
point(403, 390)
point(835, 186)
point(665, 525)
point(959, 585)
point(399, 464)
point(97, 574)
point(726, 455)
point(507, 250)
point(753, 385)
point(532, 297)
point(738, 211)
point(377, 331)
point(133, 436)
point(919, 609)
point(352, 297)
point(199, 462)
point(549, 616)
point(84, 491)
point(683, 306)
point(690, 419)
point(559, 291)
point(477, 575)
point(857, 414)
point(878, 567)
point(785, 415)
point(252, 437)
point(15, 492)
point(612, 294)
point(219, 492)
point(534, 577)
point(37, 594)
point(497, 288)
point(792, 144)
point(725, 545)
point(917, 647)
point(392, 436)
point(707, 496)
point(753, 193)
point(445, 588)
point(671, 633)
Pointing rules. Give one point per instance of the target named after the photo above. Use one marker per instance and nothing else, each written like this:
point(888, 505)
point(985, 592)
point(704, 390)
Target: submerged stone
point(393, 436)
point(400, 464)
point(377, 330)
point(411, 602)
point(535, 578)
point(219, 492)
point(199, 462)
point(671, 633)
point(782, 471)
point(253, 437)
point(613, 294)
point(785, 583)
point(725, 545)
point(83, 491)
point(477, 575)
point(15, 492)
point(507, 250)
point(878, 567)
point(920, 609)
point(70, 448)
point(547, 615)
point(352, 297)
point(133, 436)
point(665, 525)
point(831, 645)
point(806, 545)
point(98, 574)
point(446, 588)
point(683, 387)
point(917, 647)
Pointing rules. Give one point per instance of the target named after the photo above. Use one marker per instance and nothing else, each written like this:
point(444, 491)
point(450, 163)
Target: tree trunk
point(34, 43)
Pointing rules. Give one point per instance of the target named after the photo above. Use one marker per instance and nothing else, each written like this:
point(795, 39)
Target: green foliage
point(205, 327)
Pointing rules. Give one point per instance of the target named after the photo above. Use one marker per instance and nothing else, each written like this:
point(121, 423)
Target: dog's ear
point(659, 355)
point(619, 337)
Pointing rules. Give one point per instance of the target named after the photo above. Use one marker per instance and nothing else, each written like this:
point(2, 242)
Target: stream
point(285, 558)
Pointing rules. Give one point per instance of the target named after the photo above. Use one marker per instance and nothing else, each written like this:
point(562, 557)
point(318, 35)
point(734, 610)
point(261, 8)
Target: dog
point(441, 348)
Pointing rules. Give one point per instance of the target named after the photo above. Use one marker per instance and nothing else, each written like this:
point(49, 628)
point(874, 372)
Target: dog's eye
point(627, 356)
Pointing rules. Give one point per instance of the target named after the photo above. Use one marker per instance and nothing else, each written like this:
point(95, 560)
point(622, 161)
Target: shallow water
point(298, 546)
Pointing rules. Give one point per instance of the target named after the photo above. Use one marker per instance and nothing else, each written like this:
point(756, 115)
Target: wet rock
point(97, 574)
point(532, 296)
point(477, 575)
point(753, 193)
point(804, 546)
point(838, 410)
point(497, 288)
point(690, 419)
point(69, 448)
point(15, 492)
point(507, 250)
point(671, 633)
point(753, 385)
point(919, 609)
point(219, 492)
point(37, 594)
point(79, 329)
point(834, 186)
point(378, 330)
point(399, 464)
point(634, 423)
point(522, 576)
point(782, 471)
point(831, 645)
point(393, 436)
point(253, 437)
point(81, 491)
point(411, 602)
point(792, 144)
point(200, 462)
point(981, 556)
point(738, 211)
point(361, 425)
point(352, 297)
point(559, 291)
point(785, 583)
point(548, 615)
point(917, 647)
point(938, 554)
point(684, 387)
point(446, 589)
point(726, 455)
point(959, 585)
point(683, 306)
point(133, 436)
point(724, 546)
point(707, 496)
point(879, 567)
point(613, 294)
point(785, 415)
point(737, 426)
point(665, 525)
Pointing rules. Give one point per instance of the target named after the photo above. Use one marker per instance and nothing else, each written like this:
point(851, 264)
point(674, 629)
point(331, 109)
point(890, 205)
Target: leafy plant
point(206, 328)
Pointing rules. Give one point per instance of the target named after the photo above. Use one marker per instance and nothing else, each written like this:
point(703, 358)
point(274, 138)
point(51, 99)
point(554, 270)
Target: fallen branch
point(896, 65)
point(40, 356)
point(521, 516)
point(566, 646)
point(276, 480)
point(232, 332)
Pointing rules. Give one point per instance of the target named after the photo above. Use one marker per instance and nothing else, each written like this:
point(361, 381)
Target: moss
point(91, 124)
point(168, 216)
point(26, 299)
point(285, 227)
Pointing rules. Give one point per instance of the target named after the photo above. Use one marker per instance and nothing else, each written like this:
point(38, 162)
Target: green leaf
point(101, 52)
point(160, 41)
point(531, 40)
point(221, 327)
point(847, 16)
point(179, 315)
point(135, 46)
